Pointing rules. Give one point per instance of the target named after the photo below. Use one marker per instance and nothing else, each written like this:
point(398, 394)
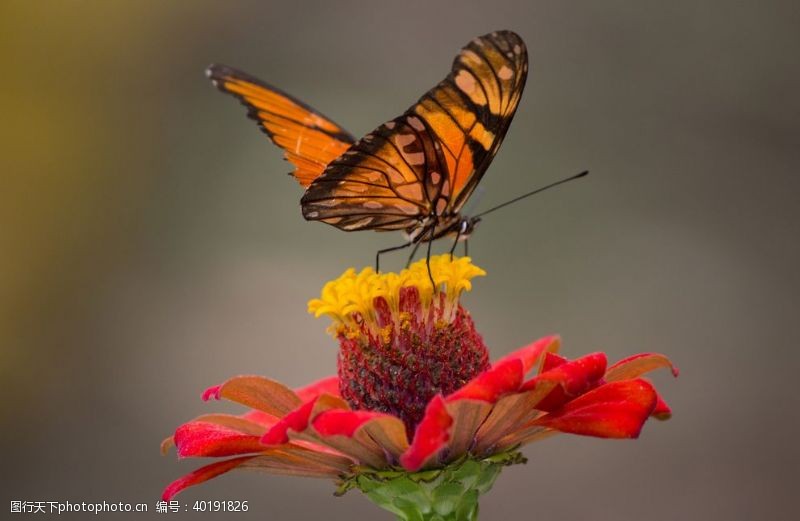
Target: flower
point(415, 402)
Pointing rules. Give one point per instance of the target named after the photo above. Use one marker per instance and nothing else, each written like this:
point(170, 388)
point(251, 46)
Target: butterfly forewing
point(474, 107)
point(309, 139)
point(425, 164)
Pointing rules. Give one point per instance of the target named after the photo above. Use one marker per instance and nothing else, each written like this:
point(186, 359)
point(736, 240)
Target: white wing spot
point(411, 191)
point(312, 214)
point(356, 188)
point(373, 205)
point(465, 81)
point(395, 177)
point(416, 123)
point(517, 49)
point(405, 139)
point(390, 125)
point(436, 177)
point(416, 159)
point(358, 224)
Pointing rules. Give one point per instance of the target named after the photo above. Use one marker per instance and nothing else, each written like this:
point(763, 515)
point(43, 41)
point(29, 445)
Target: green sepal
point(447, 494)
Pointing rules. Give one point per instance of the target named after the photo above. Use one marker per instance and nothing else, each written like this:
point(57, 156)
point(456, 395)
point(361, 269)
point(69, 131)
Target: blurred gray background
point(152, 244)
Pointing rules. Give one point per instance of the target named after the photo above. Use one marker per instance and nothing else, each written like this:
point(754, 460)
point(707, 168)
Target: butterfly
point(414, 173)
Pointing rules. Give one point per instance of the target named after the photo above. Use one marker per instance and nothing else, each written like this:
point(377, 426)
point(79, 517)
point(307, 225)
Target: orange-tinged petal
point(390, 433)
point(637, 365)
point(509, 414)
point(166, 444)
point(343, 431)
point(246, 423)
point(468, 415)
point(256, 392)
point(291, 460)
point(201, 475)
point(261, 418)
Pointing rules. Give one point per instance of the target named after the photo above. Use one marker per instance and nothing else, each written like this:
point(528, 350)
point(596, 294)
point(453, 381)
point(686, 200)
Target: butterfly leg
point(387, 250)
point(455, 243)
point(428, 258)
point(413, 252)
point(466, 247)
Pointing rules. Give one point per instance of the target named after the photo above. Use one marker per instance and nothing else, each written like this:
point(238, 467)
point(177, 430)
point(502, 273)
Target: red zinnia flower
point(416, 404)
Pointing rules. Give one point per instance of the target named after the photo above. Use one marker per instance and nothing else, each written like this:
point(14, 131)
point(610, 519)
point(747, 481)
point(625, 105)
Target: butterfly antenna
point(523, 196)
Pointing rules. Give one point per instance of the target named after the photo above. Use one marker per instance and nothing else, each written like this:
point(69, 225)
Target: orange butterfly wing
point(425, 164)
point(389, 180)
point(309, 139)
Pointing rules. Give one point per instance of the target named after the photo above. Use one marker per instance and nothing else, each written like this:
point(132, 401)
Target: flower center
point(401, 343)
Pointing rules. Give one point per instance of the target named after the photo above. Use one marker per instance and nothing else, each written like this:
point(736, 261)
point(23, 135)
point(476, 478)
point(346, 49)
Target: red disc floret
point(416, 355)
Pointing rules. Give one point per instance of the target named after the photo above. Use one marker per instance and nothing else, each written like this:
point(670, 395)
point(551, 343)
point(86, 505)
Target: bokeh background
point(152, 244)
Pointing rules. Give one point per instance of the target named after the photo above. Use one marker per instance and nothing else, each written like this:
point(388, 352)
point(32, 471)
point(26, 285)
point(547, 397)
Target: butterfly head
point(466, 226)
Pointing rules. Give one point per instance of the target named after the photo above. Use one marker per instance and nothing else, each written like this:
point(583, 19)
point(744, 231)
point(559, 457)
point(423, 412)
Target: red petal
point(342, 423)
point(201, 475)
point(212, 392)
point(531, 354)
point(573, 378)
point(329, 385)
point(502, 378)
point(431, 436)
point(552, 360)
point(296, 420)
point(637, 365)
point(661, 410)
point(613, 410)
point(289, 460)
point(198, 439)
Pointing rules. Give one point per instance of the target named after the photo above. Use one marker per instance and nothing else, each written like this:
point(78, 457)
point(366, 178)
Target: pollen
point(352, 299)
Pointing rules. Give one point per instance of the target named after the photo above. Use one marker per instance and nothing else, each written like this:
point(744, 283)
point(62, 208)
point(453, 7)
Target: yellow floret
point(353, 294)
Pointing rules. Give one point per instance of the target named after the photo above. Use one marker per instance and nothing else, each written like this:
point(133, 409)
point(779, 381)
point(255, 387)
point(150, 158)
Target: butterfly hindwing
point(389, 180)
point(309, 139)
point(426, 163)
